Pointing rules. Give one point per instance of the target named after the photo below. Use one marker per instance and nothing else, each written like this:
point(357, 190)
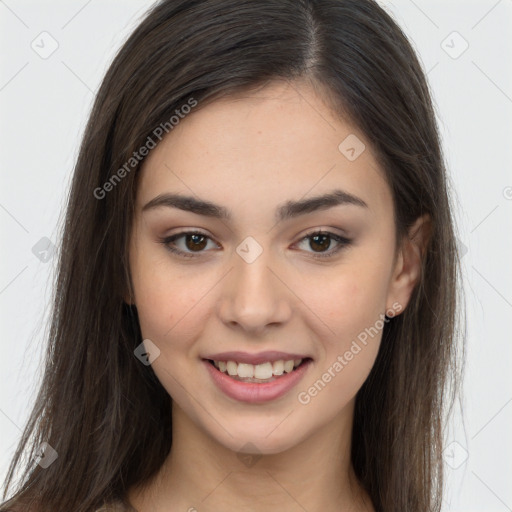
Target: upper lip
point(260, 357)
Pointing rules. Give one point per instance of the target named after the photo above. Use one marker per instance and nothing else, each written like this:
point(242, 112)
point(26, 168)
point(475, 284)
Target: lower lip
point(252, 392)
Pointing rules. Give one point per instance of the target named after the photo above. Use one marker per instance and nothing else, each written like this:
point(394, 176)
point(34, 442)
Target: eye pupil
point(315, 241)
point(197, 242)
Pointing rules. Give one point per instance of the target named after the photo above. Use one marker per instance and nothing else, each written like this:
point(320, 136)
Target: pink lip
point(253, 392)
point(260, 357)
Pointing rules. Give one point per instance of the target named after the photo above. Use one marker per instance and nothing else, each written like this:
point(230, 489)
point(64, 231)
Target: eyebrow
point(288, 210)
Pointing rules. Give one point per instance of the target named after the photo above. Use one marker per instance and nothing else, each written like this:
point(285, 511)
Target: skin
point(252, 153)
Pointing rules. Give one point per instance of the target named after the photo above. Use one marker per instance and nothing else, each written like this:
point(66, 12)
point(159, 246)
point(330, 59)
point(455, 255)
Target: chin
point(264, 439)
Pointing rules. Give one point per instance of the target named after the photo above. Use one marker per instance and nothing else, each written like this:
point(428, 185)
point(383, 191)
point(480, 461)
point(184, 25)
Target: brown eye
point(195, 242)
point(188, 244)
point(320, 243)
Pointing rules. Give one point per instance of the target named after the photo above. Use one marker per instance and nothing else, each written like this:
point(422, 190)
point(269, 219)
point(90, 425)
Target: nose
point(254, 296)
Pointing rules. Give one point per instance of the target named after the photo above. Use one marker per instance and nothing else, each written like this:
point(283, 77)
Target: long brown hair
point(106, 415)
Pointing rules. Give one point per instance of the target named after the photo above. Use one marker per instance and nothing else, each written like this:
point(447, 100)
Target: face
point(284, 251)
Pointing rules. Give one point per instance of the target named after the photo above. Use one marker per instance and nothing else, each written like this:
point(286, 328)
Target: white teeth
point(232, 368)
point(245, 370)
point(261, 371)
point(278, 367)
point(288, 366)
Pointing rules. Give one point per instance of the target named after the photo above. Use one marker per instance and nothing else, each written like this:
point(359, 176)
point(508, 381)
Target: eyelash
point(342, 241)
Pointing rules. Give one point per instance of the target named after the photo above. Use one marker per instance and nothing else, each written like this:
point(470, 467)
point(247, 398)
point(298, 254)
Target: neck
point(201, 474)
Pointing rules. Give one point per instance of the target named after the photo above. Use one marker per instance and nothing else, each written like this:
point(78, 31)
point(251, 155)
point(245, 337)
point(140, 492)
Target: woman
point(256, 300)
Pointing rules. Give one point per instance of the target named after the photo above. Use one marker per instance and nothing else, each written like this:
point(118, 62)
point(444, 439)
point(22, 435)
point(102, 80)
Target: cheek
point(167, 313)
point(173, 303)
point(355, 316)
point(351, 298)
point(352, 304)
point(352, 350)
point(162, 297)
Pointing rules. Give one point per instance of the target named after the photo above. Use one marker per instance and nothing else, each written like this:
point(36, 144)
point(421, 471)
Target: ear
point(408, 266)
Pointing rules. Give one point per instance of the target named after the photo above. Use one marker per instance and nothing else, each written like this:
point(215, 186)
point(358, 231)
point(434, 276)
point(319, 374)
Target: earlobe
point(408, 268)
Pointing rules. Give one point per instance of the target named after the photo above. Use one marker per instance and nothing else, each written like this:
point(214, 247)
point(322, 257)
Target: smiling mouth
point(259, 373)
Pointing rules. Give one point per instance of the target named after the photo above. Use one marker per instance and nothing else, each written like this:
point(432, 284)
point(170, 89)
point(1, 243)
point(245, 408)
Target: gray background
point(45, 99)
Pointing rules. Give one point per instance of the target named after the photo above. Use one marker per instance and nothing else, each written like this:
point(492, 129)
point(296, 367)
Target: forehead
point(256, 149)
